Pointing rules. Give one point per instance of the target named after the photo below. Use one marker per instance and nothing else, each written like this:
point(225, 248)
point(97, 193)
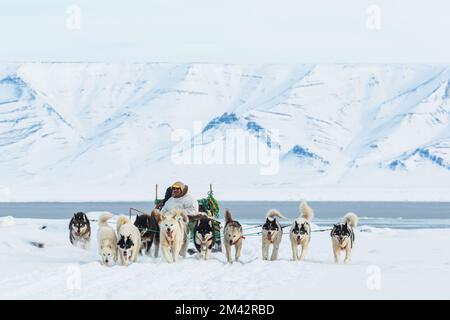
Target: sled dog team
point(171, 232)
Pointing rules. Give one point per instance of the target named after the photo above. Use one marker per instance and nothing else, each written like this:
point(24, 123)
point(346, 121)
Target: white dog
point(107, 240)
point(129, 240)
point(271, 234)
point(174, 233)
point(300, 233)
point(343, 236)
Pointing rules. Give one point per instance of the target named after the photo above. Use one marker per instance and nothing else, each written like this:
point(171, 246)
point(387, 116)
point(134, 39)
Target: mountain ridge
point(333, 125)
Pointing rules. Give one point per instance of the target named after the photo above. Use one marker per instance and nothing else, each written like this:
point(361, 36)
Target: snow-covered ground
point(386, 264)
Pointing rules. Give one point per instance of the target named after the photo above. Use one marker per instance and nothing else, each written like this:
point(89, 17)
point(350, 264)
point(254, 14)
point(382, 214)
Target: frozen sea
point(397, 215)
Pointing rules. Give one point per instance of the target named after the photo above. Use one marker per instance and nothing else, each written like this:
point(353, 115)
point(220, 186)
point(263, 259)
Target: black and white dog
point(204, 237)
point(80, 230)
point(271, 234)
point(129, 241)
point(300, 233)
point(343, 236)
point(149, 229)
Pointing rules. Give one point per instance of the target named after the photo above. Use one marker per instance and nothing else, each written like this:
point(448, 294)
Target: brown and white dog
point(300, 233)
point(233, 236)
point(271, 234)
point(343, 236)
point(174, 234)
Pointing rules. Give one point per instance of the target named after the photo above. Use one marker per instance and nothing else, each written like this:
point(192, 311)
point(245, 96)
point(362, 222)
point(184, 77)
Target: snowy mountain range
point(93, 131)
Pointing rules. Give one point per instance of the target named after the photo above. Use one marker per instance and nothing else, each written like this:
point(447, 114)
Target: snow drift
point(386, 264)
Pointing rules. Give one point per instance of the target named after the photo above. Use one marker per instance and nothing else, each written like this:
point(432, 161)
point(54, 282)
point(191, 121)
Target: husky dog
point(233, 236)
point(174, 233)
point(271, 234)
point(107, 240)
point(149, 229)
point(80, 230)
point(129, 241)
point(300, 233)
point(343, 237)
point(204, 237)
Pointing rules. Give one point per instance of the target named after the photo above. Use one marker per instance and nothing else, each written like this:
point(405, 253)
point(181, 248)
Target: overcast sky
point(226, 31)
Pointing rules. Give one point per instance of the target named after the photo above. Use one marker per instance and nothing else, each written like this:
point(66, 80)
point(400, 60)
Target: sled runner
point(208, 205)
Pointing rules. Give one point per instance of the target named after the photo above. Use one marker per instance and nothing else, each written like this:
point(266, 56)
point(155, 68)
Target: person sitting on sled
point(181, 199)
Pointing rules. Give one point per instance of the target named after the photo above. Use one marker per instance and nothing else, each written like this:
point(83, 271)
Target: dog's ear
point(85, 218)
point(180, 215)
point(158, 215)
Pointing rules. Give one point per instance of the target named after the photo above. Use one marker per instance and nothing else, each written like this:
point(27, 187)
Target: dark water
point(378, 214)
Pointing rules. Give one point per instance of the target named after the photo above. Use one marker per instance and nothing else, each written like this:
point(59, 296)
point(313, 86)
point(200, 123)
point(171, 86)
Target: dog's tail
point(103, 219)
point(228, 217)
point(306, 211)
point(274, 213)
point(121, 221)
point(351, 219)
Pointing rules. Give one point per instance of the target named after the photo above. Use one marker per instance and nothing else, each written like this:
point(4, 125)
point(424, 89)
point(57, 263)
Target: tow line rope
point(253, 234)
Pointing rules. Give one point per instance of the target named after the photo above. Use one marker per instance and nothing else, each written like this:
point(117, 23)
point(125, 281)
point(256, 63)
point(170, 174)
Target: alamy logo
point(232, 147)
point(374, 278)
point(73, 21)
point(373, 21)
point(73, 280)
point(5, 193)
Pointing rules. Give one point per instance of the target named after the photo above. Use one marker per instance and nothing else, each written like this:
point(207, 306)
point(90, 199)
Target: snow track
point(403, 264)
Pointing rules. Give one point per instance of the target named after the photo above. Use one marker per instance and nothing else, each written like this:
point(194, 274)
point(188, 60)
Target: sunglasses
point(176, 188)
